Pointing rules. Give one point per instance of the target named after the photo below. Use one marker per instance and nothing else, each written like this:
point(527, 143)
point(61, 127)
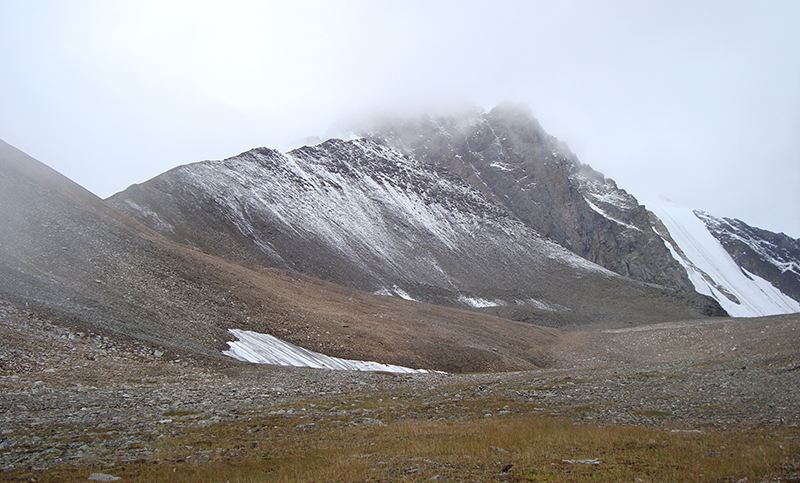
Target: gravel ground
point(58, 385)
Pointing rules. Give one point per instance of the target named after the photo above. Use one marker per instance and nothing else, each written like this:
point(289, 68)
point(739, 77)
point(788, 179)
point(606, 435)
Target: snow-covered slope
point(772, 256)
point(355, 213)
point(711, 268)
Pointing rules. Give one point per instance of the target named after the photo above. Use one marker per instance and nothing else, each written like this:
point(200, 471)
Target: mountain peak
point(507, 156)
point(370, 215)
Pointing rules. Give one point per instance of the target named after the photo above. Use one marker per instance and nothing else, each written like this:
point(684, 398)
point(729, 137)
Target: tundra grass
point(331, 443)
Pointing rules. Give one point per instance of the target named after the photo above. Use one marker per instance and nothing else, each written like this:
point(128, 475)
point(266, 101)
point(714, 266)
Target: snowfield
point(712, 270)
point(266, 349)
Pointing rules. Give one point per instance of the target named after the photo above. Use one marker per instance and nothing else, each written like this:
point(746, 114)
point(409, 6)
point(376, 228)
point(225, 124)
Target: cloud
point(660, 96)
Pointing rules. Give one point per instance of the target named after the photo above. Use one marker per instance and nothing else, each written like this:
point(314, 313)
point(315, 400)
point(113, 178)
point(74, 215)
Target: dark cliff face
point(775, 257)
point(507, 156)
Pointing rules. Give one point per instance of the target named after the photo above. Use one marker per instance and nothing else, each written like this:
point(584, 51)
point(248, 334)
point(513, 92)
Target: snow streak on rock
point(478, 303)
point(266, 349)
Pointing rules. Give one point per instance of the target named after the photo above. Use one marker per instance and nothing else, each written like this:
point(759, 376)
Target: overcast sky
point(697, 101)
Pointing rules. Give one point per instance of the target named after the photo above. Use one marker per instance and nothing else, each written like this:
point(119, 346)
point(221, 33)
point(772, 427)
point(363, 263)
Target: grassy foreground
point(328, 442)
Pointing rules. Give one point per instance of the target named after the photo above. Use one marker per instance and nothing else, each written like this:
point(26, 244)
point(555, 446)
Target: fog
point(696, 102)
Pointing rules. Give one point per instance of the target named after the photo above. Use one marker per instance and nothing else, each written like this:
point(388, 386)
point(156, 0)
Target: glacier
point(713, 271)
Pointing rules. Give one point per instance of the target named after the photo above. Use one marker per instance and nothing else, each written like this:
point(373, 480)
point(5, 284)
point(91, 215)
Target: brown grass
point(461, 445)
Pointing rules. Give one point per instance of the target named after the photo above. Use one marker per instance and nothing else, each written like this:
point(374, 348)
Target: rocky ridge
point(361, 214)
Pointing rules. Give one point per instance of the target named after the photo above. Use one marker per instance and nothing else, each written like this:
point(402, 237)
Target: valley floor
point(713, 400)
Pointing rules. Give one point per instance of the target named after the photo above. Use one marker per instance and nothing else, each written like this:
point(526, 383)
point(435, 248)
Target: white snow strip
point(501, 166)
point(710, 267)
point(266, 349)
point(395, 292)
point(611, 197)
point(403, 294)
point(478, 302)
point(609, 217)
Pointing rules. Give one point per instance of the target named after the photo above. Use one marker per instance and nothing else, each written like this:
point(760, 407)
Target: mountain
point(750, 271)
point(505, 154)
point(475, 209)
point(362, 214)
point(70, 259)
point(484, 212)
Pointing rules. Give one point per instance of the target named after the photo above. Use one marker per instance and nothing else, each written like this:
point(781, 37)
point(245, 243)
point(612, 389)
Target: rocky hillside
point(362, 214)
point(507, 156)
point(91, 273)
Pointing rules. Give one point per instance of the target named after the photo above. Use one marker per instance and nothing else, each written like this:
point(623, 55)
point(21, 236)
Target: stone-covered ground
point(72, 398)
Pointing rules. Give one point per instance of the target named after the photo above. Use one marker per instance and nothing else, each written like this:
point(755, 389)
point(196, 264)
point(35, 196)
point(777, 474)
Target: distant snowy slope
point(712, 270)
point(771, 256)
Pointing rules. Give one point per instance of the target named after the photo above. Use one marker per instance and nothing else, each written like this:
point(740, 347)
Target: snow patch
point(395, 291)
point(615, 197)
point(478, 302)
point(538, 304)
point(266, 349)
